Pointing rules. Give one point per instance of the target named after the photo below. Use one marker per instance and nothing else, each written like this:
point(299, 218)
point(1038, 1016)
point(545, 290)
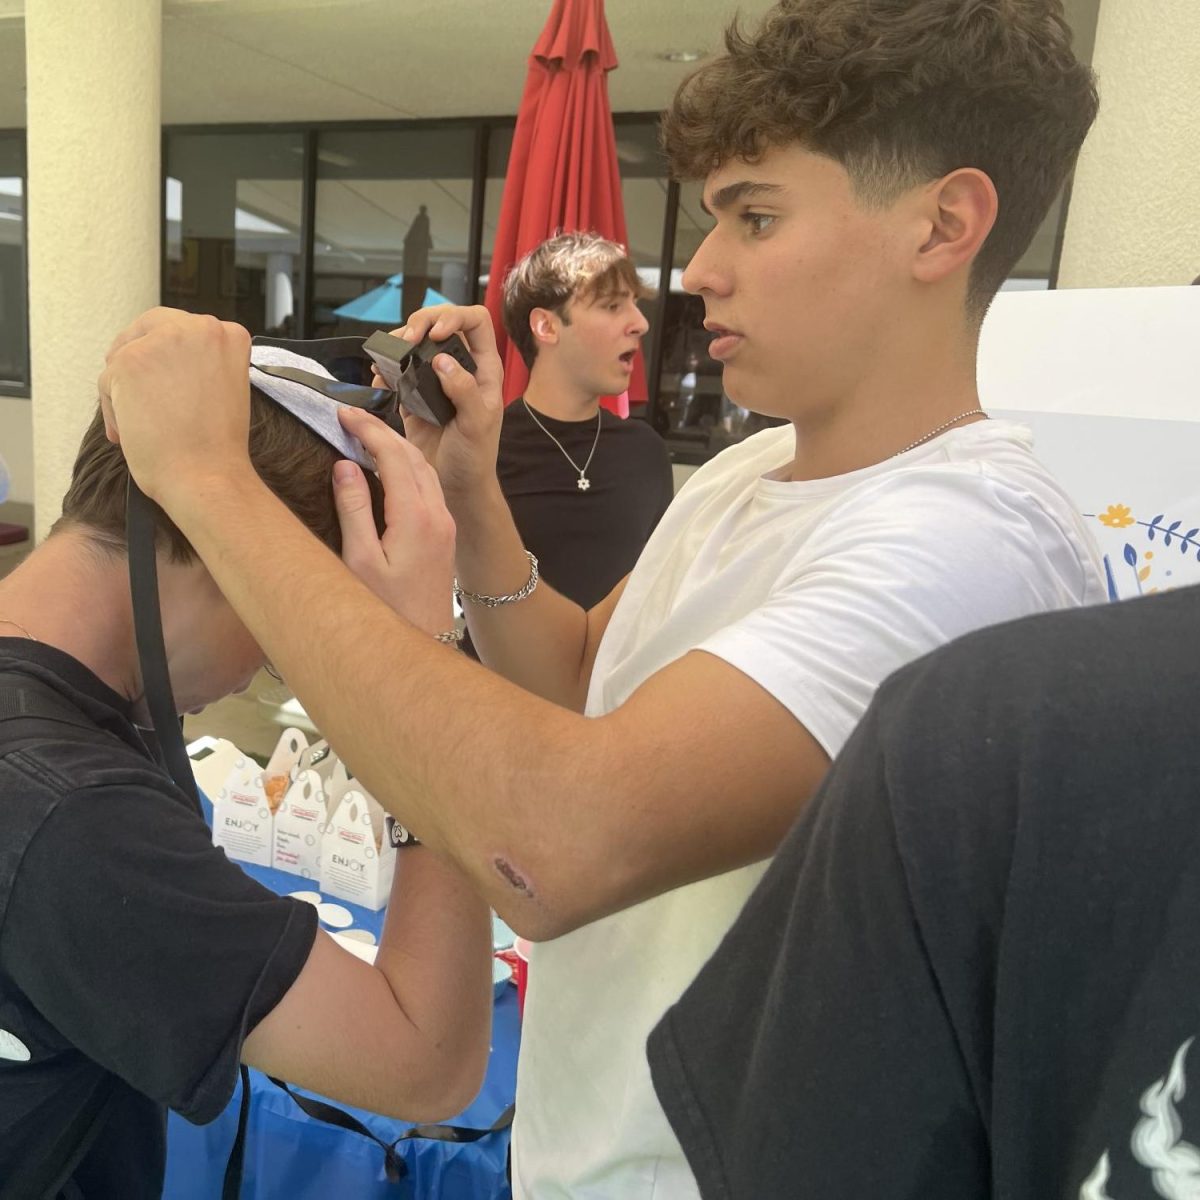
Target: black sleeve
point(973, 968)
point(814, 1054)
point(146, 947)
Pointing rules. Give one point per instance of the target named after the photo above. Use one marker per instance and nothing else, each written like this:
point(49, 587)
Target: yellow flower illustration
point(1117, 516)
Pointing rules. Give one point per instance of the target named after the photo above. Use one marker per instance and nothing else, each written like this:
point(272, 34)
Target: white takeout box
point(358, 860)
point(301, 819)
point(283, 765)
point(243, 823)
point(298, 827)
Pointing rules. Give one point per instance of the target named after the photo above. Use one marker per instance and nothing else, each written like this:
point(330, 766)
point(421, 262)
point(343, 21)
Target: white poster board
point(1109, 380)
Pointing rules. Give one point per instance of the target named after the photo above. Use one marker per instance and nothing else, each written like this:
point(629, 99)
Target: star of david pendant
point(583, 483)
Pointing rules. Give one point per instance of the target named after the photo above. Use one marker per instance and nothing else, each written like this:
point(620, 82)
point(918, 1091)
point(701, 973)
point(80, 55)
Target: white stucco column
point(94, 133)
point(1134, 217)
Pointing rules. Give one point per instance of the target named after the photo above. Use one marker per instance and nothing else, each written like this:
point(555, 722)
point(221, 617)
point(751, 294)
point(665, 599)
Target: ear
point(544, 326)
point(959, 212)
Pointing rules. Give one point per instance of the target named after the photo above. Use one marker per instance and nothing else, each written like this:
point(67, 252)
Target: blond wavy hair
point(569, 266)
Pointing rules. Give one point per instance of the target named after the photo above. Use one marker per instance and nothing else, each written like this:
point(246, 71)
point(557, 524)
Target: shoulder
point(636, 436)
point(122, 836)
point(634, 429)
point(513, 420)
point(746, 461)
point(1108, 663)
point(970, 497)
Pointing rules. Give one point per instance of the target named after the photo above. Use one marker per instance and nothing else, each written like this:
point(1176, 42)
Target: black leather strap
point(394, 1163)
point(232, 1187)
point(147, 624)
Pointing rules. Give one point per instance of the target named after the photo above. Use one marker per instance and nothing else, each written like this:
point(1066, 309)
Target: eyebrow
point(731, 193)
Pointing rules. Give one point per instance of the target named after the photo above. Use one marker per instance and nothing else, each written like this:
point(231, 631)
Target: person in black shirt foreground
point(138, 965)
point(973, 968)
point(585, 487)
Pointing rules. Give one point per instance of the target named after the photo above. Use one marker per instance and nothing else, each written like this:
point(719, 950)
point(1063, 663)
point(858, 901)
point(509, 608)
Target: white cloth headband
point(307, 405)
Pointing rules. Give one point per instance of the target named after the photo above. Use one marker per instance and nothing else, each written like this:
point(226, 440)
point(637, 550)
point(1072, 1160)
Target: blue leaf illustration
point(1157, 519)
point(1130, 555)
point(1175, 525)
point(1191, 533)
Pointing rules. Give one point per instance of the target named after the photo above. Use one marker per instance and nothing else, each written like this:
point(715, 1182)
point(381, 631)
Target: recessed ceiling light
point(683, 56)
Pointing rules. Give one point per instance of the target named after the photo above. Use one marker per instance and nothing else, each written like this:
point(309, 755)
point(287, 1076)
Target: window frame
point(20, 389)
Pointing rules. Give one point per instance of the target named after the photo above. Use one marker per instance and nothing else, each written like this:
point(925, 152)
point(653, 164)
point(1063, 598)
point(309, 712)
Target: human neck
point(70, 595)
point(905, 397)
point(555, 394)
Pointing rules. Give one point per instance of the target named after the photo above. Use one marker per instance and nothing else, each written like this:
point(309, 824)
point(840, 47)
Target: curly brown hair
point(901, 92)
point(291, 460)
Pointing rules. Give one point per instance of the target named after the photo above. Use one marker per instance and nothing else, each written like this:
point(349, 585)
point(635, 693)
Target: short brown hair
point(568, 267)
point(290, 459)
point(901, 92)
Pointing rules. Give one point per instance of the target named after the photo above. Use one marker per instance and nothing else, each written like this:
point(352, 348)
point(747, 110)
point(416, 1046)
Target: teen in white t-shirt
point(867, 206)
point(816, 590)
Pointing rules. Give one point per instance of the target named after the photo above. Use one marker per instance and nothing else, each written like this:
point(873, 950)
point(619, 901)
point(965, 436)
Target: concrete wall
point(1134, 217)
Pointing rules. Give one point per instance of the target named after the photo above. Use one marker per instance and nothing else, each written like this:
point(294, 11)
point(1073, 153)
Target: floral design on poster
point(1145, 565)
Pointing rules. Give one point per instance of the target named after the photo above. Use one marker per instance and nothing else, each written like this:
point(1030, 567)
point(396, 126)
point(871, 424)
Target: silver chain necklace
point(583, 482)
point(975, 412)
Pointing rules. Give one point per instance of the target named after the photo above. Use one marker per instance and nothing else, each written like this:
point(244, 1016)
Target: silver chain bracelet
point(495, 601)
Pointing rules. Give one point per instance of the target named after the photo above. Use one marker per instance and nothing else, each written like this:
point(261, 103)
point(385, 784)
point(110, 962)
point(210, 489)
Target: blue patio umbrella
point(381, 305)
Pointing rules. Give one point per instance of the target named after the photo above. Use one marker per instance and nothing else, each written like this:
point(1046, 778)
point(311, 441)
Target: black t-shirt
point(973, 969)
point(586, 542)
point(134, 956)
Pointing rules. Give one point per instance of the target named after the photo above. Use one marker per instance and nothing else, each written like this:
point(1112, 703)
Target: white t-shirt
point(817, 590)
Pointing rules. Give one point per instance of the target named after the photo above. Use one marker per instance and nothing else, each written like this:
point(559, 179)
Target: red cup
point(521, 970)
point(517, 957)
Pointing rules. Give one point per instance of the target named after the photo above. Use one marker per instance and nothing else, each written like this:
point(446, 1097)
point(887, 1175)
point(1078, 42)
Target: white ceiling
point(230, 61)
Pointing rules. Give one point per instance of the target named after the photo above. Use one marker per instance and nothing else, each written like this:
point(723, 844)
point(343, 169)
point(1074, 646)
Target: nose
point(705, 272)
point(638, 325)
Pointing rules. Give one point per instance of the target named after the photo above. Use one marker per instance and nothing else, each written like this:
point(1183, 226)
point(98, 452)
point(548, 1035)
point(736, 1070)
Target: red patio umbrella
point(562, 172)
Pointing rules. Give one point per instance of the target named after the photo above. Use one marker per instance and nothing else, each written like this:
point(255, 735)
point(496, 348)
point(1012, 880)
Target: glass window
point(644, 192)
point(1037, 264)
point(691, 399)
point(393, 226)
point(233, 204)
point(500, 141)
point(14, 323)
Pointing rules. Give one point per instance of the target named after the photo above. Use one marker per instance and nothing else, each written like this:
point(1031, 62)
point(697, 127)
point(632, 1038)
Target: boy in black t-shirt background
point(138, 965)
point(585, 487)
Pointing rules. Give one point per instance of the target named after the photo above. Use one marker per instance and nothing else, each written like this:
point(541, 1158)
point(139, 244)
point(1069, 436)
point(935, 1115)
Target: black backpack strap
point(147, 628)
point(232, 1187)
point(25, 698)
point(393, 1163)
point(460, 1133)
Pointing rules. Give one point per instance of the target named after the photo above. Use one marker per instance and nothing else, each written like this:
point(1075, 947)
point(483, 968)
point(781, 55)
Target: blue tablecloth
point(290, 1156)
